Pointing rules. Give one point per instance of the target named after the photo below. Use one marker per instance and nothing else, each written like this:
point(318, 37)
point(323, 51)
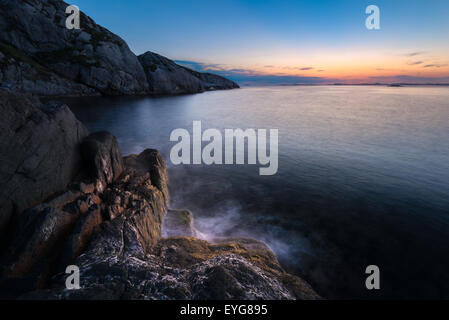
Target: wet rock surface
point(107, 217)
point(178, 268)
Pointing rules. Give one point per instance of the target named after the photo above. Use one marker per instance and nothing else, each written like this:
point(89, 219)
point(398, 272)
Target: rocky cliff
point(38, 151)
point(111, 217)
point(38, 54)
point(166, 77)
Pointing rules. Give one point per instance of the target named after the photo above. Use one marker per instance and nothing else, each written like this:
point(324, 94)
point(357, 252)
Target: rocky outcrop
point(115, 237)
point(166, 77)
point(21, 73)
point(102, 157)
point(38, 54)
point(39, 151)
point(93, 56)
point(177, 268)
point(89, 217)
point(112, 221)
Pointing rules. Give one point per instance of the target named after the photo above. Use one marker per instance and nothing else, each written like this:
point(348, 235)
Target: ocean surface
point(363, 178)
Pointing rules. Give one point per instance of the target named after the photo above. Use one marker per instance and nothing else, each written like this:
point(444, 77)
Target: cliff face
point(92, 56)
point(38, 151)
point(166, 77)
point(38, 54)
point(109, 221)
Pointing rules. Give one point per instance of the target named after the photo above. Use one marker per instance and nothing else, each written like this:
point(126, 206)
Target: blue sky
point(311, 40)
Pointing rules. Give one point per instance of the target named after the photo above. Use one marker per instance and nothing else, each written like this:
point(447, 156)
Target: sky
point(284, 42)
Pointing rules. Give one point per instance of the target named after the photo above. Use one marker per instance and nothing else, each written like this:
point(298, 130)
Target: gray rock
point(39, 231)
point(51, 235)
point(36, 29)
point(39, 151)
point(20, 73)
point(102, 157)
point(166, 77)
point(38, 54)
point(176, 268)
point(80, 235)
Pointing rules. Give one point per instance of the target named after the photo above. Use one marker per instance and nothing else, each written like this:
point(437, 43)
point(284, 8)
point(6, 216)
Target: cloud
point(248, 76)
point(409, 79)
point(199, 66)
point(252, 77)
point(434, 65)
point(414, 54)
point(298, 68)
point(415, 63)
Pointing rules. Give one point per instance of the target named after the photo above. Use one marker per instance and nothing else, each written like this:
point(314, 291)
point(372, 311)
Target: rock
point(36, 29)
point(103, 213)
point(53, 234)
point(102, 157)
point(214, 82)
point(178, 223)
point(38, 54)
point(21, 73)
point(86, 187)
point(178, 268)
point(149, 161)
point(39, 151)
point(38, 232)
point(166, 77)
point(80, 236)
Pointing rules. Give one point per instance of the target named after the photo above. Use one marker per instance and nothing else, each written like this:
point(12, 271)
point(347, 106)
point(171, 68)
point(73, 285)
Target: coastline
point(109, 223)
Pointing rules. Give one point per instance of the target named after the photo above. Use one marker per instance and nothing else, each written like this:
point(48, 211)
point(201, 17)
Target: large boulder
point(102, 157)
point(166, 77)
point(39, 151)
point(52, 235)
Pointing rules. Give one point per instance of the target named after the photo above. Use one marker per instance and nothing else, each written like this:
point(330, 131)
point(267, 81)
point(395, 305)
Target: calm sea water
point(363, 178)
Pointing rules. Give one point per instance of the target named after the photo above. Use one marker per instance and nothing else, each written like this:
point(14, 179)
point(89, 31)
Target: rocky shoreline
point(39, 55)
point(69, 197)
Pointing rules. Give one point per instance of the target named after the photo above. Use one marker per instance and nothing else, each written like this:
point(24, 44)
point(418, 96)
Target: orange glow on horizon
point(357, 64)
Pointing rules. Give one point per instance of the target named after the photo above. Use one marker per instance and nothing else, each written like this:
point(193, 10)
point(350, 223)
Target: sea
point(362, 180)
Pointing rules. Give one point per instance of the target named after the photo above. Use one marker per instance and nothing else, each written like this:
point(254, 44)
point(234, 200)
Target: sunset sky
point(279, 41)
